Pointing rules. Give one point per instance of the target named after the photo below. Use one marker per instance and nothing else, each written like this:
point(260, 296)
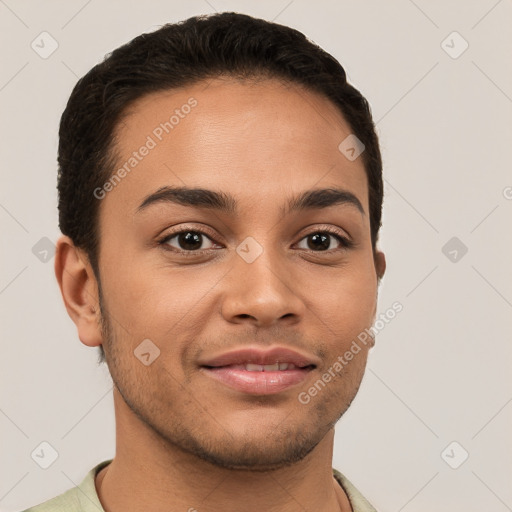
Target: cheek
point(156, 300)
point(345, 301)
point(159, 302)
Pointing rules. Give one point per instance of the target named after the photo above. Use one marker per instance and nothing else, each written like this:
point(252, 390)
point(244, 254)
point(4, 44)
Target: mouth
point(257, 372)
point(251, 367)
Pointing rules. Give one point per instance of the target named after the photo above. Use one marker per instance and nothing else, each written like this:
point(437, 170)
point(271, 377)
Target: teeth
point(254, 367)
point(269, 367)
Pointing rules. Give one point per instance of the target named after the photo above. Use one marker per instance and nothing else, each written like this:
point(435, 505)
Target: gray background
point(440, 371)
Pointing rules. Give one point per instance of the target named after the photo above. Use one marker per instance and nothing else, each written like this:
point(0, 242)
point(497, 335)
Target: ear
point(79, 290)
point(379, 259)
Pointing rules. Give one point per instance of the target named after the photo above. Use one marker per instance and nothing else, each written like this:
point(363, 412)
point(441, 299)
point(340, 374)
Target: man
point(220, 196)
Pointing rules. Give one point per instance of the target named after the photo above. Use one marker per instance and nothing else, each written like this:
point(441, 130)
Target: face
point(229, 283)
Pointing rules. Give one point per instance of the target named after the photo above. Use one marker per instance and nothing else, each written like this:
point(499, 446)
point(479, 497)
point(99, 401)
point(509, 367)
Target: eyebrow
point(223, 202)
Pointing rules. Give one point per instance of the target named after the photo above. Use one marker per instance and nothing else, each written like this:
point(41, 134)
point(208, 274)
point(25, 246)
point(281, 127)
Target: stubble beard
point(283, 445)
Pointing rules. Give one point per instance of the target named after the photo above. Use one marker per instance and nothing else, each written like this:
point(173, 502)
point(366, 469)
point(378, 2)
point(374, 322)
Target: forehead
point(255, 138)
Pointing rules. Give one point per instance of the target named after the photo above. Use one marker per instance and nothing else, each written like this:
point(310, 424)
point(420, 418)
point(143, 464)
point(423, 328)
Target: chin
point(257, 449)
point(252, 458)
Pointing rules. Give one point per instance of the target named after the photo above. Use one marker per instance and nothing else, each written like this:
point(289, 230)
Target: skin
point(183, 440)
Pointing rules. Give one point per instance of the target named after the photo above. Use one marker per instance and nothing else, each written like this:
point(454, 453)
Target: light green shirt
point(84, 498)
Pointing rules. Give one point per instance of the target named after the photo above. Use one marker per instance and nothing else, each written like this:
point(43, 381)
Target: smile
point(259, 372)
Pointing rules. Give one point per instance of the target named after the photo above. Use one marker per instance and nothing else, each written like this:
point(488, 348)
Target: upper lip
point(260, 356)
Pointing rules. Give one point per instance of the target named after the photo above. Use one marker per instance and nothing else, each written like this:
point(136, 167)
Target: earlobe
point(379, 260)
point(380, 264)
point(79, 290)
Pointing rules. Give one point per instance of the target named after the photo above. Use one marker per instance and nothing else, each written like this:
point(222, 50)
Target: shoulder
point(65, 502)
point(82, 498)
point(358, 502)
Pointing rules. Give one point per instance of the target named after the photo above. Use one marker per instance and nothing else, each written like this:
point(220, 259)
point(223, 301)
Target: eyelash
point(345, 242)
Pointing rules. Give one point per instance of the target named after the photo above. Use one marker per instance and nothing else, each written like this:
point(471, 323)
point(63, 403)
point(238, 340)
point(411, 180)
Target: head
point(208, 203)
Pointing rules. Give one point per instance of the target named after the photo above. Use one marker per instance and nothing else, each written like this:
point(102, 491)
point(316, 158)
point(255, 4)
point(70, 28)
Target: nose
point(262, 293)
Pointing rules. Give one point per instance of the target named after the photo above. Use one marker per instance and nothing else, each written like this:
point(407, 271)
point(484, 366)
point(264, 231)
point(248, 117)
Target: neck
point(148, 473)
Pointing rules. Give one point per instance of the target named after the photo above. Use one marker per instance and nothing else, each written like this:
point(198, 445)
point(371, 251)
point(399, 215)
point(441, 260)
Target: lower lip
point(258, 383)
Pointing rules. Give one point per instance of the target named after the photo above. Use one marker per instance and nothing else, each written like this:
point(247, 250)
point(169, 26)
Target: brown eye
point(188, 241)
point(321, 241)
